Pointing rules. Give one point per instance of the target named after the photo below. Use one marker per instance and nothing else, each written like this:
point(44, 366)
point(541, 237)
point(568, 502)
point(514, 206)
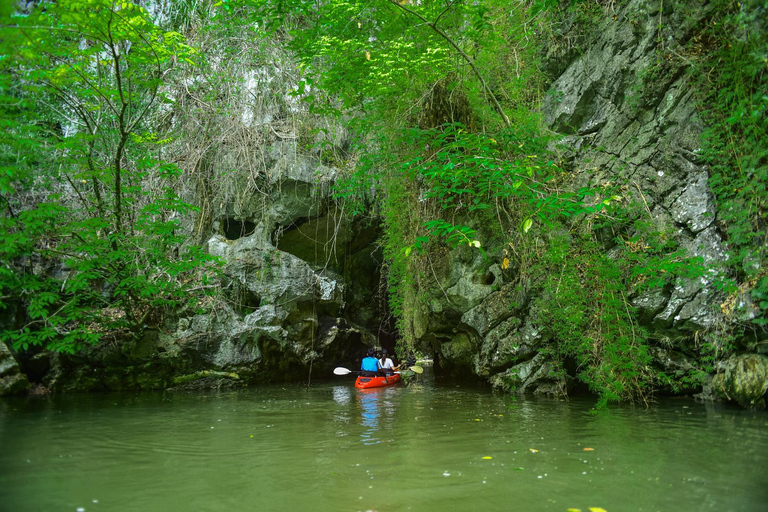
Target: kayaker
point(370, 365)
point(386, 365)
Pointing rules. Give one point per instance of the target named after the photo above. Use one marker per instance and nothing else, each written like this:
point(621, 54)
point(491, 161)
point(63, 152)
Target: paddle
point(344, 371)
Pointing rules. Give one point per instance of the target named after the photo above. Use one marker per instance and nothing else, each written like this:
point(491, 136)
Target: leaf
point(527, 225)
point(505, 264)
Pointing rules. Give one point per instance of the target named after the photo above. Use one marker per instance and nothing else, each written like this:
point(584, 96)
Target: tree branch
point(461, 52)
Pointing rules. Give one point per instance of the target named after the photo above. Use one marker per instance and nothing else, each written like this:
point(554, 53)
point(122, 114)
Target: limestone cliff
point(624, 108)
point(300, 289)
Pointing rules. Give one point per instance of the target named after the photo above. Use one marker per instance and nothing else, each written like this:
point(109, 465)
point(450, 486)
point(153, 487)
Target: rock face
point(626, 111)
point(300, 287)
point(278, 318)
point(12, 381)
point(631, 116)
point(744, 379)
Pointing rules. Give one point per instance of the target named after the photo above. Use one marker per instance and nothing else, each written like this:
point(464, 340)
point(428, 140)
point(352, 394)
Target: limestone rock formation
point(630, 117)
point(12, 381)
point(744, 379)
point(624, 115)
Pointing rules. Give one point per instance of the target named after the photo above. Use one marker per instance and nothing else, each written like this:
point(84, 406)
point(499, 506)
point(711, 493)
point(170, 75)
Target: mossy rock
point(745, 380)
point(114, 382)
point(508, 381)
point(13, 384)
point(458, 352)
point(205, 374)
point(150, 381)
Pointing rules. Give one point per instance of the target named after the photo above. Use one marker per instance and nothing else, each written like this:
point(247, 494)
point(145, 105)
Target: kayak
point(376, 382)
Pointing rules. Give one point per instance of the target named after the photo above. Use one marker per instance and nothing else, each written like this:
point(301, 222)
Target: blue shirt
point(370, 364)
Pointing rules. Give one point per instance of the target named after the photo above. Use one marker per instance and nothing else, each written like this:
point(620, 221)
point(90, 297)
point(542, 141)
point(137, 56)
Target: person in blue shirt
point(370, 365)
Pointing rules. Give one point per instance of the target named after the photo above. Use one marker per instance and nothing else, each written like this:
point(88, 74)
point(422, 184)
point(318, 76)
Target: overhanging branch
point(462, 53)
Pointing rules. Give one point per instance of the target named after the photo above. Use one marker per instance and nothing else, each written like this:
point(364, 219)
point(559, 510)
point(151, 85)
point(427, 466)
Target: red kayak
point(376, 382)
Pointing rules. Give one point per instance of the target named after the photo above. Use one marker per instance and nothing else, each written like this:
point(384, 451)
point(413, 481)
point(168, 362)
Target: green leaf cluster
point(92, 241)
point(733, 83)
point(588, 306)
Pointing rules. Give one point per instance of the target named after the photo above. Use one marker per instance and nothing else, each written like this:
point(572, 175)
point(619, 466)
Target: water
point(334, 448)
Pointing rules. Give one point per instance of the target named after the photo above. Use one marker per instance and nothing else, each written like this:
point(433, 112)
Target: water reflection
point(342, 394)
point(441, 448)
point(377, 409)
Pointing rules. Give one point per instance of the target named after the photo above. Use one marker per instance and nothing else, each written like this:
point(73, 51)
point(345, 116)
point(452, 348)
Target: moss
point(508, 381)
point(13, 384)
point(205, 374)
point(457, 352)
point(744, 381)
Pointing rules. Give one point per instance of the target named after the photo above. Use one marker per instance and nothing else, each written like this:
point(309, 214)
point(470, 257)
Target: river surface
point(425, 447)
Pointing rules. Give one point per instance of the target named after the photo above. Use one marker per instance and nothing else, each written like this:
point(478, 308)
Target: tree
point(90, 233)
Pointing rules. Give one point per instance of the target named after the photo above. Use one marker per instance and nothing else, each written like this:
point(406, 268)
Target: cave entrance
point(234, 229)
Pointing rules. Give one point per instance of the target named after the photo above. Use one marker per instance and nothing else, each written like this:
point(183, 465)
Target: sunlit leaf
point(527, 225)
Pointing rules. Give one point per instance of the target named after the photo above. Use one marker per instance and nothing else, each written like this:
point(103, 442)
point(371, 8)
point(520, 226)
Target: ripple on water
point(338, 449)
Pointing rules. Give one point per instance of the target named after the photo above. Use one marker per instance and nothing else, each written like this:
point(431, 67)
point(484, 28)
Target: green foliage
point(402, 217)
point(90, 223)
point(588, 307)
point(760, 295)
point(734, 86)
point(370, 55)
point(422, 81)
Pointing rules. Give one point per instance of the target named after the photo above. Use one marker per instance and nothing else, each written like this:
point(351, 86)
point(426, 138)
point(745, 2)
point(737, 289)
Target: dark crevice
point(487, 278)
point(234, 228)
point(281, 230)
point(246, 301)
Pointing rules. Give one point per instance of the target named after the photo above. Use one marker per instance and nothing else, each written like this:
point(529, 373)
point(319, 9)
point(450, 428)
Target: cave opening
point(234, 228)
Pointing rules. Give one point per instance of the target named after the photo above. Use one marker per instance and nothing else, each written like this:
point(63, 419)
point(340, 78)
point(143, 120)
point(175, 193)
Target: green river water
point(426, 447)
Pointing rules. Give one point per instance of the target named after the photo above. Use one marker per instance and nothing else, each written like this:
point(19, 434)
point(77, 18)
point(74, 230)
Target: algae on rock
point(744, 379)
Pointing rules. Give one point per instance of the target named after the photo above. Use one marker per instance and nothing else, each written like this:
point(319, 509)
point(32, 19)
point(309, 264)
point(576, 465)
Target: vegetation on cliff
point(442, 100)
point(733, 79)
point(91, 239)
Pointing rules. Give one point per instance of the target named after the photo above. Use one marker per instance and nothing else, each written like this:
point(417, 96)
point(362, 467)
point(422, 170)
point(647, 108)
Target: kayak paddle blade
point(341, 371)
point(416, 369)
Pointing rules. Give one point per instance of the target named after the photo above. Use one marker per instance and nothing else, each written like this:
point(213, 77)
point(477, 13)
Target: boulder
point(537, 376)
point(744, 379)
point(12, 381)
